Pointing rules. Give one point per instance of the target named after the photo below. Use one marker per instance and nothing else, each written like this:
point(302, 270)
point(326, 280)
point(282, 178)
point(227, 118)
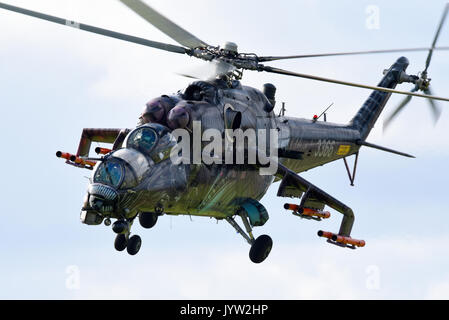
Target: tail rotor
point(422, 81)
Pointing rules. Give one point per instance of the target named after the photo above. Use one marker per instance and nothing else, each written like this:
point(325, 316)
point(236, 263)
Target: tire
point(147, 219)
point(134, 244)
point(120, 226)
point(260, 249)
point(120, 242)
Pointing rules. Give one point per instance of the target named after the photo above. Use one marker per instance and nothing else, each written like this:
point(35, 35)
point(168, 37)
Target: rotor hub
point(230, 47)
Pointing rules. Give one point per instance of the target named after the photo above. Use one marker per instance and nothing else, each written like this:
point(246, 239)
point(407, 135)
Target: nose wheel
point(133, 245)
point(120, 242)
point(123, 240)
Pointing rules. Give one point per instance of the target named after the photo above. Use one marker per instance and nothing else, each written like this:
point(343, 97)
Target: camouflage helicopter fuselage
point(139, 177)
point(173, 162)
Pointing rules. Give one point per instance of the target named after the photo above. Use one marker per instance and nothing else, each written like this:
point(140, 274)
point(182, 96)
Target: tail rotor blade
point(437, 34)
point(394, 114)
point(436, 110)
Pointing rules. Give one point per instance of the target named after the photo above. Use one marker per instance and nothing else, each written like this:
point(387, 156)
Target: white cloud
point(302, 271)
point(439, 291)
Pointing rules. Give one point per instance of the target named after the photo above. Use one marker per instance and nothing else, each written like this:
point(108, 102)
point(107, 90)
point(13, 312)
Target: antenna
point(315, 118)
point(282, 112)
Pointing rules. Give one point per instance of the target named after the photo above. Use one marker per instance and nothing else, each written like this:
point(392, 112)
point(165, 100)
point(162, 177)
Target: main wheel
point(260, 249)
point(120, 242)
point(147, 219)
point(134, 244)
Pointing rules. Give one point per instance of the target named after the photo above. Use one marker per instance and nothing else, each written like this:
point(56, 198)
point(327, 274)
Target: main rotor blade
point(398, 109)
point(436, 110)
point(443, 18)
point(274, 58)
point(165, 25)
point(347, 83)
point(103, 32)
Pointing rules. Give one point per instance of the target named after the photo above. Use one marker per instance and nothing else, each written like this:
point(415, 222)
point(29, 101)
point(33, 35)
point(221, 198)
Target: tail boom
point(368, 114)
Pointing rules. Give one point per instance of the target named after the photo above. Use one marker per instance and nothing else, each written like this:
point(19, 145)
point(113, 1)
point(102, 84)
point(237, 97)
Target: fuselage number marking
point(325, 148)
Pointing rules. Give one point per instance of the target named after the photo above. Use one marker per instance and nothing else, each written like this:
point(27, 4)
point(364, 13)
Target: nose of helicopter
point(96, 203)
point(102, 198)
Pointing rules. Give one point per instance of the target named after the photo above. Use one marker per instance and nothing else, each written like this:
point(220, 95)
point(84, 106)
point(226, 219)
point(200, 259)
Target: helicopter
point(137, 178)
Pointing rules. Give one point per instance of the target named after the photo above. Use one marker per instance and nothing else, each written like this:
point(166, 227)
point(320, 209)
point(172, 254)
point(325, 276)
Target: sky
point(55, 81)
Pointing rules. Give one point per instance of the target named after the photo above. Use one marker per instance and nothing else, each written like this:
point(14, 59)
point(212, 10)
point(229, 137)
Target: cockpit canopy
point(142, 139)
point(124, 169)
point(153, 140)
point(109, 172)
point(145, 146)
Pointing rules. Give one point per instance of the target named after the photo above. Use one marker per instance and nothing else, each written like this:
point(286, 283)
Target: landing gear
point(260, 247)
point(148, 219)
point(121, 226)
point(120, 242)
point(123, 240)
point(133, 245)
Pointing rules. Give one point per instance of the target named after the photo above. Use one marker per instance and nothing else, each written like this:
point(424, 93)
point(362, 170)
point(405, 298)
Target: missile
point(63, 155)
point(290, 206)
point(307, 211)
point(325, 234)
point(341, 239)
point(99, 150)
point(76, 160)
point(348, 240)
point(82, 161)
point(316, 213)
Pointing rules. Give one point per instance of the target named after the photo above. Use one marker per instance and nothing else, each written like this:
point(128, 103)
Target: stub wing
point(313, 200)
point(81, 158)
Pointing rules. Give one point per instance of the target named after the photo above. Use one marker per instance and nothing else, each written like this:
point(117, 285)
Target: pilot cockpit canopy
point(152, 140)
point(143, 139)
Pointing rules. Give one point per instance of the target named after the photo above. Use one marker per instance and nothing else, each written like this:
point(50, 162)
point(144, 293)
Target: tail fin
point(367, 116)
